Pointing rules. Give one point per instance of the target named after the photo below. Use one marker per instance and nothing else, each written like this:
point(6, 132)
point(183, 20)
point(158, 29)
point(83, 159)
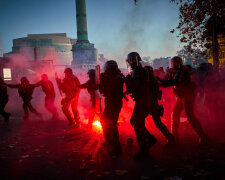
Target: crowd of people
point(143, 84)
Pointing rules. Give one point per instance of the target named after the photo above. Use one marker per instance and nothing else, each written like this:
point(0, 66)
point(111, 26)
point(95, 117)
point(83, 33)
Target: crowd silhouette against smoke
point(209, 102)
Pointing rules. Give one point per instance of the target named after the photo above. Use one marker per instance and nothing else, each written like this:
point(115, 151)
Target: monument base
point(84, 55)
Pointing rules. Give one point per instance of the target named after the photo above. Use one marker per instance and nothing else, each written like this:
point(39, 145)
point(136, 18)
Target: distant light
point(7, 74)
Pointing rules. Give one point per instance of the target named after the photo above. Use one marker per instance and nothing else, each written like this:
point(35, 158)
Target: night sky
point(116, 27)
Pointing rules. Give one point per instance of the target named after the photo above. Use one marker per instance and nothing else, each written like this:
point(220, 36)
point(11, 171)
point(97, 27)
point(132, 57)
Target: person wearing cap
point(48, 88)
point(184, 90)
point(91, 87)
point(3, 101)
point(70, 87)
point(25, 90)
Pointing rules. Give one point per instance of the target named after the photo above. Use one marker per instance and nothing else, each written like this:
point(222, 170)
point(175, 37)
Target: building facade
point(221, 43)
point(55, 46)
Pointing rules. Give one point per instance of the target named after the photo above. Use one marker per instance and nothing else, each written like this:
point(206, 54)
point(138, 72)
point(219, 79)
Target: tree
point(198, 21)
point(193, 58)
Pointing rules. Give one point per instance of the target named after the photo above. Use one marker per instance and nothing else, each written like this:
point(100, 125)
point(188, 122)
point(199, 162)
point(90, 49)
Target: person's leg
point(144, 138)
point(5, 114)
point(91, 116)
point(162, 127)
point(189, 109)
point(175, 121)
point(33, 110)
point(50, 106)
point(74, 104)
point(25, 109)
point(65, 108)
point(113, 127)
point(105, 119)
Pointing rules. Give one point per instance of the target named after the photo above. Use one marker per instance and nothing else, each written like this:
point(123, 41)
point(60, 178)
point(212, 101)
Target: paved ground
point(51, 150)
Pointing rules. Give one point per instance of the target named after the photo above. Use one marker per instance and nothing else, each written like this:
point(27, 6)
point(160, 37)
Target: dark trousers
point(140, 112)
point(50, 106)
point(66, 104)
point(186, 104)
point(3, 103)
point(109, 121)
point(28, 106)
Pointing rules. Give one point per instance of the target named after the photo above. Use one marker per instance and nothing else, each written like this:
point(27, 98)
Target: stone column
point(84, 53)
point(82, 34)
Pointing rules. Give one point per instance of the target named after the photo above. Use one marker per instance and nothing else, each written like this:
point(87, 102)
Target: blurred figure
point(136, 86)
point(91, 87)
point(156, 110)
point(184, 90)
point(48, 89)
point(3, 101)
point(111, 86)
point(161, 73)
point(143, 87)
point(70, 87)
point(25, 90)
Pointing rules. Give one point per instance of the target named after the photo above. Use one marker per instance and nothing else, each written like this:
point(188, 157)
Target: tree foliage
point(193, 58)
point(197, 19)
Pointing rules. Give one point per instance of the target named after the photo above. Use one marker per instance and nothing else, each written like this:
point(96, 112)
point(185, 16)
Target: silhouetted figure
point(184, 89)
point(48, 89)
point(70, 87)
point(111, 86)
point(3, 101)
point(91, 87)
point(25, 90)
point(142, 86)
point(156, 110)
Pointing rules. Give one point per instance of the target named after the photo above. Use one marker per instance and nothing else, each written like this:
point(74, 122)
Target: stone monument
point(84, 52)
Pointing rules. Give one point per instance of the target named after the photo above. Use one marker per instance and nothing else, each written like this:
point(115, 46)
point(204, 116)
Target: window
point(7, 74)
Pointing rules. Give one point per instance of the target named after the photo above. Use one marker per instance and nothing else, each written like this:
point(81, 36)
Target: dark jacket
point(70, 86)
point(47, 87)
point(91, 87)
point(111, 85)
point(180, 79)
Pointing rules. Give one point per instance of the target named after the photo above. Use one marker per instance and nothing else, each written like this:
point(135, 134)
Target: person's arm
point(169, 82)
point(36, 84)
point(83, 86)
point(12, 85)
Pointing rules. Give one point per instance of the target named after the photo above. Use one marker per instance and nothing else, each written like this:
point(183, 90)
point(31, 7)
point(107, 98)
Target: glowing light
point(97, 124)
point(7, 74)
